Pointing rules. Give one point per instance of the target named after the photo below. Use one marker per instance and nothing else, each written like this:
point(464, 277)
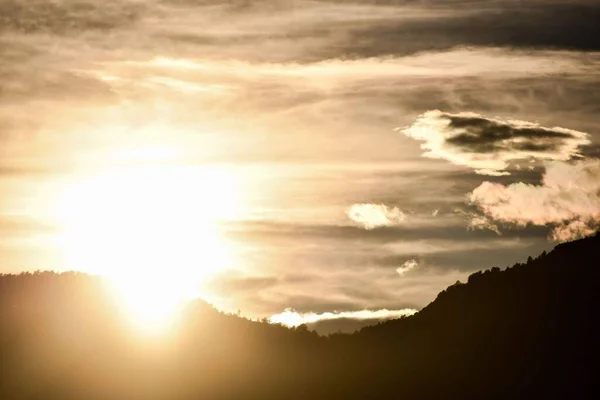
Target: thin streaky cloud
point(292, 318)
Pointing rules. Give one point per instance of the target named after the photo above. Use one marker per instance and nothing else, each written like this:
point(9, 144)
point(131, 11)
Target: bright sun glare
point(153, 231)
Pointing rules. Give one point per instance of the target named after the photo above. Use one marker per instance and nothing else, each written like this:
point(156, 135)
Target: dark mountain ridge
point(525, 332)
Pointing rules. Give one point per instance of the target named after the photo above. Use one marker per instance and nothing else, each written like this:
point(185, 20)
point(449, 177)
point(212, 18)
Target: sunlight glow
point(153, 231)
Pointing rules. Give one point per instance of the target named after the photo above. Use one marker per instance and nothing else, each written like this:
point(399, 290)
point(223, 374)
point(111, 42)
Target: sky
point(297, 160)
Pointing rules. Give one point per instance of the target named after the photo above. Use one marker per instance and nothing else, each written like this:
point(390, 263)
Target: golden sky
point(309, 156)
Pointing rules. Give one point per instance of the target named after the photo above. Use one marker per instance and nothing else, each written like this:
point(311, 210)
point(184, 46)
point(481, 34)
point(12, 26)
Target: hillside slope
point(529, 331)
point(526, 332)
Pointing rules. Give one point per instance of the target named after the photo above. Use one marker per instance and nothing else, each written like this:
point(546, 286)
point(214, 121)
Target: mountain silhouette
point(529, 331)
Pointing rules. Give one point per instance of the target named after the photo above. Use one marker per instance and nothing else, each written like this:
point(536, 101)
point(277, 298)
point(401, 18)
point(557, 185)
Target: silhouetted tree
point(529, 331)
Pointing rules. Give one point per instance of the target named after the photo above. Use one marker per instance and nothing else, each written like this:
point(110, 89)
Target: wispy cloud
point(310, 83)
point(407, 266)
point(375, 215)
point(488, 145)
point(568, 199)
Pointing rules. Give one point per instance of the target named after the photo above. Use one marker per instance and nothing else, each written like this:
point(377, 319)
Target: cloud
point(352, 29)
point(81, 80)
point(488, 145)
point(542, 24)
point(407, 266)
point(66, 17)
point(375, 215)
point(292, 318)
point(568, 199)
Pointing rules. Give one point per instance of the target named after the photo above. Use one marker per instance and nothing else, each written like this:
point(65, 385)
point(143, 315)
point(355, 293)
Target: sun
point(152, 231)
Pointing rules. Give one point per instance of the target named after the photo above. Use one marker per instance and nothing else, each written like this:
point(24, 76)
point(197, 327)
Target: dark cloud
point(489, 145)
point(592, 151)
point(482, 135)
point(66, 17)
point(305, 31)
point(454, 229)
point(410, 27)
point(568, 25)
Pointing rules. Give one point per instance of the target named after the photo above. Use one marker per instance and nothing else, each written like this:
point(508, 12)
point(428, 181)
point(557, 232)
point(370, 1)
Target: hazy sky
point(321, 156)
